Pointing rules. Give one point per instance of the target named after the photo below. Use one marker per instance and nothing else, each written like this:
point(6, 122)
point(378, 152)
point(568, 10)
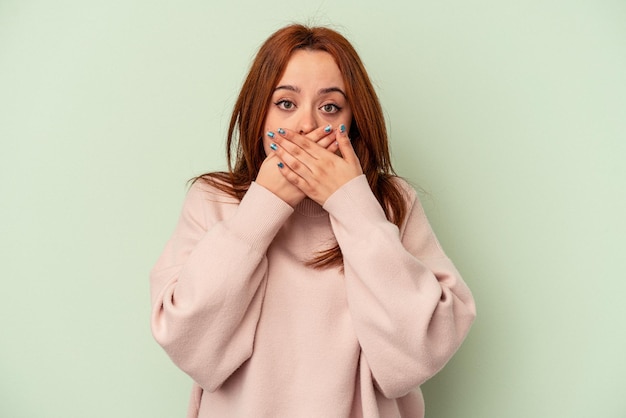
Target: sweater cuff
point(353, 203)
point(259, 217)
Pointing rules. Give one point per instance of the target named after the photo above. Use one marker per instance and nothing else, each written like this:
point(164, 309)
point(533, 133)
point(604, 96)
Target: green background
point(510, 115)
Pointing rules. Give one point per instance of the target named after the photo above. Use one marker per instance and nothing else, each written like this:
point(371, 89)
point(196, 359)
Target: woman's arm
point(410, 307)
point(207, 287)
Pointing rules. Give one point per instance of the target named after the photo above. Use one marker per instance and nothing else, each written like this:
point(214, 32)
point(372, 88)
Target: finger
point(325, 134)
point(298, 159)
point(320, 133)
point(328, 140)
point(344, 145)
point(333, 147)
point(294, 177)
point(297, 145)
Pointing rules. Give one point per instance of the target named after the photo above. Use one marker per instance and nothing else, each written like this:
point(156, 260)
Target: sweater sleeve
point(411, 309)
point(208, 285)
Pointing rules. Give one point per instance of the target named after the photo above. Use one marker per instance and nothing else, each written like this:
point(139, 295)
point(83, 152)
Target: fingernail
point(281, 131)
point(280, 165)
point(327, 129)
point(273, 146)
point(270, 134)
point(342, 128)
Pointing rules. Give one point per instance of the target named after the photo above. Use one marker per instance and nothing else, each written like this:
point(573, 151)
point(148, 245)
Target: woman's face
point(310, 94)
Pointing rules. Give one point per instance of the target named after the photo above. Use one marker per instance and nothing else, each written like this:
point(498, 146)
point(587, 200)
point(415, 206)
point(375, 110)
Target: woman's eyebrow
point(332, 90)
point(288, 87)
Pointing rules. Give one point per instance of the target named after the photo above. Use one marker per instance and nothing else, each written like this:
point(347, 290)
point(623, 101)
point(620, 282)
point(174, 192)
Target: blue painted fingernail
point(270, 134)
point(281, 131)
point(327, 129)
point(273, 146)
point(342, 128)
point(280, 165)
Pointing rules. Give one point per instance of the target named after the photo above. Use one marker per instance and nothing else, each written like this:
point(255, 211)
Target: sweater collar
point(310, 208)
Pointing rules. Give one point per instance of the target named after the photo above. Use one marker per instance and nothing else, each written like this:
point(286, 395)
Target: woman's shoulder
point(408, 191)
point(208, 201)
point(412, 195)
point(212, 187)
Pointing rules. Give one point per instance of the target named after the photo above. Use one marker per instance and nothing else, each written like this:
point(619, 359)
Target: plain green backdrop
point(511, 115)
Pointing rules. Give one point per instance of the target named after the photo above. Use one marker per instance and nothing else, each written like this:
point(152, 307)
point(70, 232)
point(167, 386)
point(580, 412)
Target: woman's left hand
point(316, 170)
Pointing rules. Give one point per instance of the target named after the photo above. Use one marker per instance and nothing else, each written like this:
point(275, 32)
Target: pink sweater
point(263, 335)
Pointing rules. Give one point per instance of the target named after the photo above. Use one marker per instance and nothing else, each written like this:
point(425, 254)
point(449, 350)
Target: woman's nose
point(308, 122)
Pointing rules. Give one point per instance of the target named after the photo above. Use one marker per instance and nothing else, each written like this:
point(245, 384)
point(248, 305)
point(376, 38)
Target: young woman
point(306, 280)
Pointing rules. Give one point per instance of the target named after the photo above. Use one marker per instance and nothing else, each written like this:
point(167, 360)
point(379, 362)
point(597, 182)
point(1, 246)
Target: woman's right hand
point(272, 179)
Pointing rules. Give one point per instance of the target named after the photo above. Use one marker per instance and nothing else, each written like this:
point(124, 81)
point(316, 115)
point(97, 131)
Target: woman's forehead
point(308, 69)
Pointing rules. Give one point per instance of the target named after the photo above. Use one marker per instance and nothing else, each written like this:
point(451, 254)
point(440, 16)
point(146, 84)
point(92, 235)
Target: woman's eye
point(330, 108)
point(285, 104)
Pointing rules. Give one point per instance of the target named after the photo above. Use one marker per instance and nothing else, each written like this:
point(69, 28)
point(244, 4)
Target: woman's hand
point(314, 169)
point(271, 178)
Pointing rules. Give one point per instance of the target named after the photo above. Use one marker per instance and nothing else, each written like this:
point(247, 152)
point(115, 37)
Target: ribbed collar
point(310, 208)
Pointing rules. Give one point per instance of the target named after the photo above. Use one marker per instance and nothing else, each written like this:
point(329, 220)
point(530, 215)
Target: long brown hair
point(367, 129)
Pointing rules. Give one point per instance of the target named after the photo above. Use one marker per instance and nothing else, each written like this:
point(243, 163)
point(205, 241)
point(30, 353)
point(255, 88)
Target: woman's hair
point(367, 129)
